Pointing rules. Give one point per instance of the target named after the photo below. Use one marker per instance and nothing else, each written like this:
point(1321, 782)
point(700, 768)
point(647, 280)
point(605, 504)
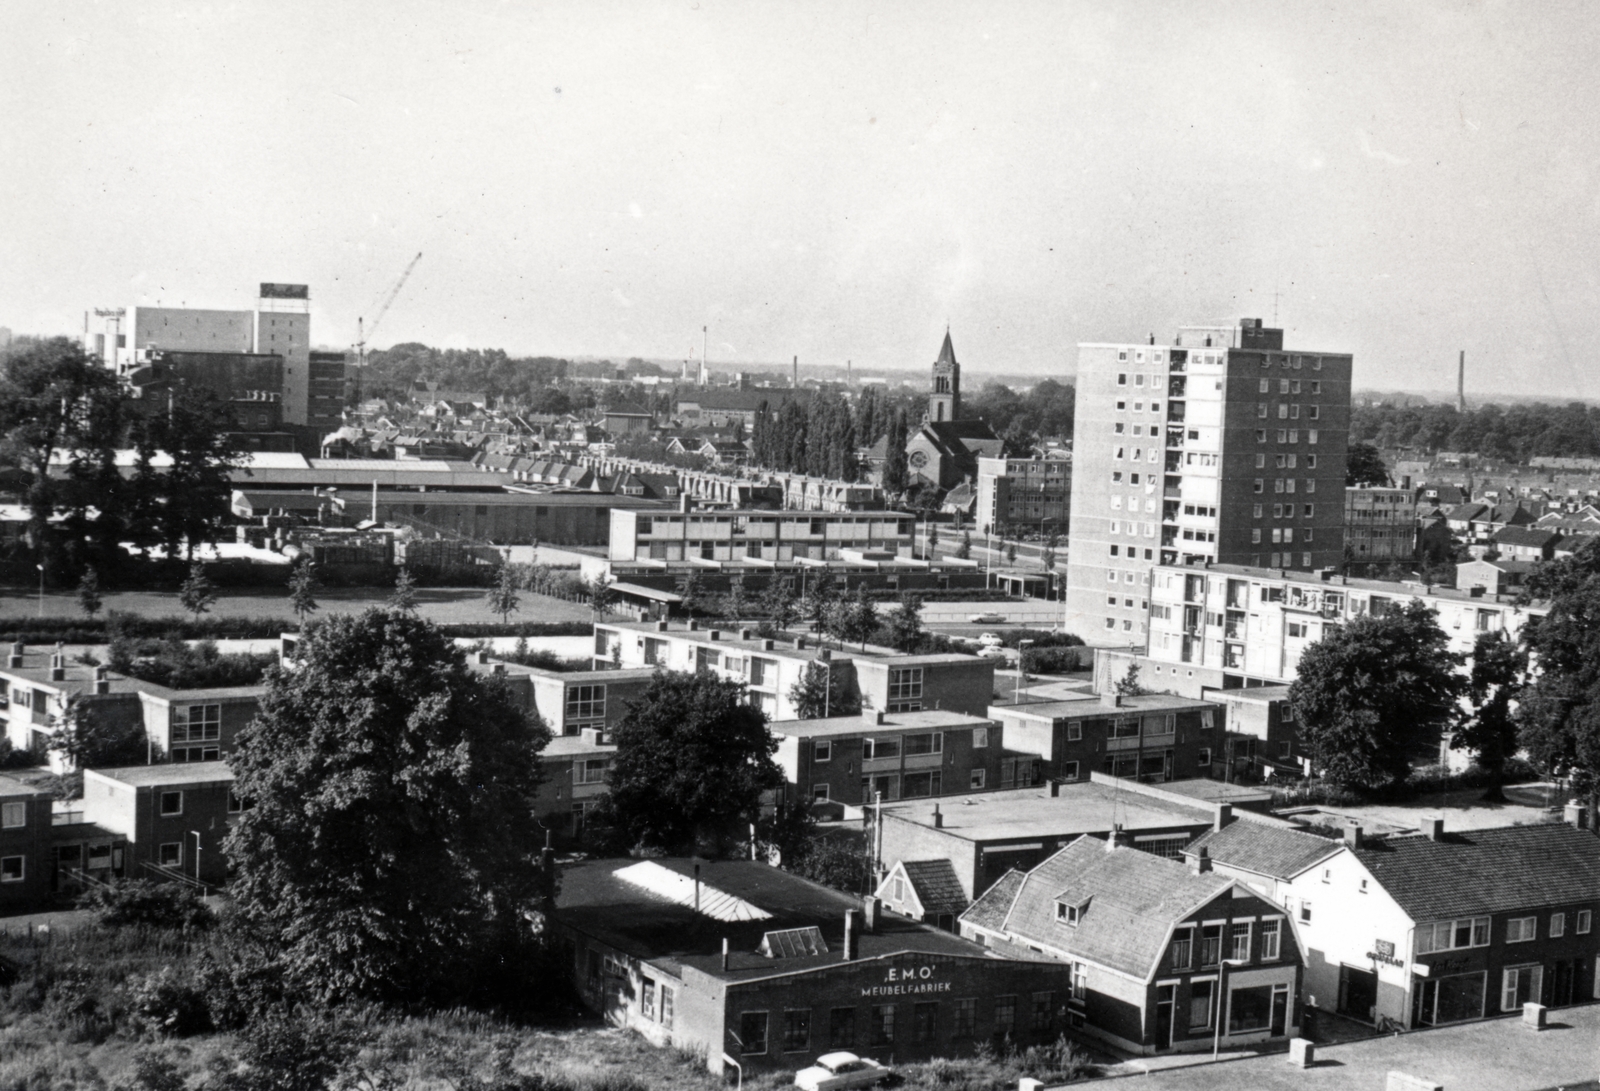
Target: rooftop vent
point(793, 943)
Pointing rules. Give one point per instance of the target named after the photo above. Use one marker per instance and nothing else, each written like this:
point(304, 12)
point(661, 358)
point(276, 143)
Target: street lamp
point(1022, 669)
point(197, 848)
point(1221, 1001)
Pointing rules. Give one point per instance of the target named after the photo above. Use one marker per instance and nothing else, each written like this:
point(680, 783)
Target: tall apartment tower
point(1221, 448)
point(944, 397)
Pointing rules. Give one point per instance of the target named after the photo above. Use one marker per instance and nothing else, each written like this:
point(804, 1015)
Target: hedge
point(76, 630)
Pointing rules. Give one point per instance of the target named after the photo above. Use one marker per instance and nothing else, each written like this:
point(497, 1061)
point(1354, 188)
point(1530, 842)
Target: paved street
point(1495, 1055)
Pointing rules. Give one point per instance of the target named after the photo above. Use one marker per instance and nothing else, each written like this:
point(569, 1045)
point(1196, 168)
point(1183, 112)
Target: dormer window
point(1070, 913)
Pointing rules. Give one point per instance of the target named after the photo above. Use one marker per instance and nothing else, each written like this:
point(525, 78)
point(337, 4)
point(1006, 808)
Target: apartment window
point(841, 1027)
point(1311, 436)
point(977, 779)
point(1239, 942)
point(1294, 412)
point(1283, 435)
point(1005, 1015)
point(822, 750)
point(13, 815)
point(1271, 940)
point(1204, 755)
point(1261, 462)
point(1283, 410)
point(196, 723)
point(1257, 512)
point(905, 689)
point(1311, 462)
point(1122, 379)
point(1255, 536)
point(1261, 410)
point(1584, 922)
point(170, 854)
point(796, 1030)
point(763, 672)
point(882, 1023)
point(1261, 435)
point(932, 743)
point(1117, 428)
point(171, 803)
point(1522, 929)
point(922, 785)
point(753, 1032)
point(1310, 510)
point(647, 999)
point(1182, 949)
point(1314, 412)
point(1453, 935)
point(591, 771)
point(586, 703)
point(872, 749)
point(1261, 485)
point(819, 793)
point(1558, 925)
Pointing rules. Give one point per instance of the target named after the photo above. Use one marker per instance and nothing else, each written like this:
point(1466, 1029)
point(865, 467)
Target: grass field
point(441, 604)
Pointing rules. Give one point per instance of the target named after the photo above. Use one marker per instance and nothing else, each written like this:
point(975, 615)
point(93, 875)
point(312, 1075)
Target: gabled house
point(1163, 956)
point(1431, 928)
point(924, 890)
point(1523, 543)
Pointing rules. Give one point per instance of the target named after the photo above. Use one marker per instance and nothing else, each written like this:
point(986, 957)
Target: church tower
point(944, 397)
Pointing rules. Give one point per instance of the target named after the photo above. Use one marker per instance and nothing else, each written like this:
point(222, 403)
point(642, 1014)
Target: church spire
point(944, 393)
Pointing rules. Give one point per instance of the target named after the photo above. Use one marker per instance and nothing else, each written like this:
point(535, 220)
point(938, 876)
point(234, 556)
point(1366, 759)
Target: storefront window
point(1249, 1009)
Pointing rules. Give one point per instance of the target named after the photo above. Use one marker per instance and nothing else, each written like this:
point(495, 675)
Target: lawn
point(442, 604)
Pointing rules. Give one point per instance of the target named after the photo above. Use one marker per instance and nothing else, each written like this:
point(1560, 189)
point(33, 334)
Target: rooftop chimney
point(1575, 815)
point(799, 643)
point(938, 819)
point(1352, 835)
point(1434, 828)
point(1055, 788)
point(714, 634)
point(693, 625)
point(483, 656)
point(1111, 699)
point(1200, 861)
point(1117, 837)
point(1224, 816)
point(826, 654)
point(744, 634)
point(874, 909)
point(849, 935)
point(766, 645)
point(872, 715)
point(685, 502)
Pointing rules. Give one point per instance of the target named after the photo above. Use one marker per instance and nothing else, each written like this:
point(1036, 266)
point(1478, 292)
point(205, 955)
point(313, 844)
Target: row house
point(575, 770)
point(24, 845)
point(1163, 957)
point(757, 535)
point(151, 821)
point(1432, 928)
point(856, 760)
point(37, 689)
point(772, 668)
point(1149, 737)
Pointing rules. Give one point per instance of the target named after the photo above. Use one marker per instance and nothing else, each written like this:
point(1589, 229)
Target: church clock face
point(918, 459)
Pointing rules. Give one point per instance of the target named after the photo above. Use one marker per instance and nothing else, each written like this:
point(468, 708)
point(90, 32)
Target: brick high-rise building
point(1222, 447)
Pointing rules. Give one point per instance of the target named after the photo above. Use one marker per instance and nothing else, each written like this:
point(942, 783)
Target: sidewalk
point(1491, 1055)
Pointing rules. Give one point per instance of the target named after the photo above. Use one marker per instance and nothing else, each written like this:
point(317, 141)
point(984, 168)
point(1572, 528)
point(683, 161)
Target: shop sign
point(1383, 952)
point(907, 981)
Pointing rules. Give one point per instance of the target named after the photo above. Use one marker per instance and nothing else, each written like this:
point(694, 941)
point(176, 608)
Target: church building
point(944, 452)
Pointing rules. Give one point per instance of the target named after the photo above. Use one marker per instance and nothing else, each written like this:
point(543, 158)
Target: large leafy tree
point(693, 759)
point(1490, 729)
point(1559, 710)
point(1375, 693)
point(186, 502)
point(1364, 466)
point(55, 397)
point(905, 624)
point(389, 843)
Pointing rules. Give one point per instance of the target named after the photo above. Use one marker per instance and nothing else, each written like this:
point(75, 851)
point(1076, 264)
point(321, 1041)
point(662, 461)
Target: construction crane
point(364, 331)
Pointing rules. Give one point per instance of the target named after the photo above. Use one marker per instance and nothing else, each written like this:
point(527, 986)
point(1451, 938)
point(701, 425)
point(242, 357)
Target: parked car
point(838, 1071)
point(990, 640)
point(991, 651)
point(987, 619)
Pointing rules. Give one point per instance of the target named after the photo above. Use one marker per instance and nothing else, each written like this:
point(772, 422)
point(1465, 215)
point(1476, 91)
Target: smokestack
point(938, 819)
point(1461, 383)
point(849, 935)
point(1224, 816)
point(795, 382)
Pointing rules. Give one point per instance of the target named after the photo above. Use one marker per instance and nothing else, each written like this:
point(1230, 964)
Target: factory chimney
point(795, 382)
point(1461, 383)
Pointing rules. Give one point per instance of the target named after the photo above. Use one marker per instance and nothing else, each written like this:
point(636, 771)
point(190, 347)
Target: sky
point(1401, 181)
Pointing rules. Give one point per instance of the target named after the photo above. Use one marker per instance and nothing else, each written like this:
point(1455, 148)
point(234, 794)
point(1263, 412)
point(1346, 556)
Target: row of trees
point(1506, 432)
point(1380, 691)
point(58, 402)
point(817, 436)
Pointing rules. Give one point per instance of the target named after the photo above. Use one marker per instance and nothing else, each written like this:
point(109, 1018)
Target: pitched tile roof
point(1266, 850)
point(993, 906)
point(936, 885)
point(1133, 899)
point(1495, 870)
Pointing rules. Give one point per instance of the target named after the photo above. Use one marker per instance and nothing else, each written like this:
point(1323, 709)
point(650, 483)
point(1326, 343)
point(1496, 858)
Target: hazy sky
point(836, 180)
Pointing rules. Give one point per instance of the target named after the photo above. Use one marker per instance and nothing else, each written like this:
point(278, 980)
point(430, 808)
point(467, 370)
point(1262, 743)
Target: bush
point(144, 903)
point(172, 663)
point(167, 1005)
